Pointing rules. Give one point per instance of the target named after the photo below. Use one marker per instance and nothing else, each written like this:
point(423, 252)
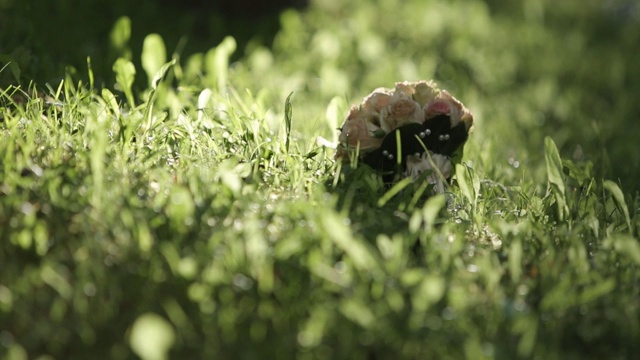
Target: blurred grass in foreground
point(187, 220)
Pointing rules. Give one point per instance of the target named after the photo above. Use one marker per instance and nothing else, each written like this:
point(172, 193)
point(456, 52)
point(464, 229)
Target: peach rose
point(401, 110)
point(359, 131)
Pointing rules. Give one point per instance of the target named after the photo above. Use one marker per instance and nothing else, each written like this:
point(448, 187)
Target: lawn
point(158, 202)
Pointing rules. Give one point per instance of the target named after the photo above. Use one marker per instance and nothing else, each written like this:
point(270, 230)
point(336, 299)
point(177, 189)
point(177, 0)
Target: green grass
point(198, 218)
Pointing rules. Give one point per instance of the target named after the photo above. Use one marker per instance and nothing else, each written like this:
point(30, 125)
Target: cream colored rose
point(378, 99)
point(373, 104)
point(402, 109)
point(405, 88)
point(425, 91)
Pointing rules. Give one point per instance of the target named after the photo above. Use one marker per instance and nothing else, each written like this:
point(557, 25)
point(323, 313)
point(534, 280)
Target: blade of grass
point(288, 111)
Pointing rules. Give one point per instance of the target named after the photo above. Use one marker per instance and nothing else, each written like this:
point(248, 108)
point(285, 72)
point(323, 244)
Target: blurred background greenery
point(45, 37)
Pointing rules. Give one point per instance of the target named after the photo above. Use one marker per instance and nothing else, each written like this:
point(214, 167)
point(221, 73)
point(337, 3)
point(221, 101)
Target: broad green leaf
point(411, 277)
point(154, 55)
point(41, 238)
point(314, 328)
point(288, 110)
point(600, 289)
point(180, 206)
point(217, 63)
point(394, 190)
point(16, 352)
point(6, 299)
point(120, 35)
point(52, 276)
point(145, 238)
point(125, 75)
point(111, 100)
point(428, 214)
point(161, 73)
point(334, 114)
point(618, 197)
point(464, 183)
point(90, 72)
point(357, 312)
point(560, 296)
point(429, 292)
point(515, 259)
point(432, 208)
point(13, 66)
point(203, 103)
point(625, 245)
point(555, 177)
point(527, 327)
point(340, 234)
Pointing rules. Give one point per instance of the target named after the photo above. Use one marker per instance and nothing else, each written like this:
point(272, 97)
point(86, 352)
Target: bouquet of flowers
point(408, 131)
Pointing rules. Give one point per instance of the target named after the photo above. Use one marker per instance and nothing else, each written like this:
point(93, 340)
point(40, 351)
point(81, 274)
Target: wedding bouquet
point(408, 131)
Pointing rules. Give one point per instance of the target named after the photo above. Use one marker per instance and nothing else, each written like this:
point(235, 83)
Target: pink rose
point(445, 104)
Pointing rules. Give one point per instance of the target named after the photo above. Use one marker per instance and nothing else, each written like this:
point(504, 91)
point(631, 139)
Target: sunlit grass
point(201, 214)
